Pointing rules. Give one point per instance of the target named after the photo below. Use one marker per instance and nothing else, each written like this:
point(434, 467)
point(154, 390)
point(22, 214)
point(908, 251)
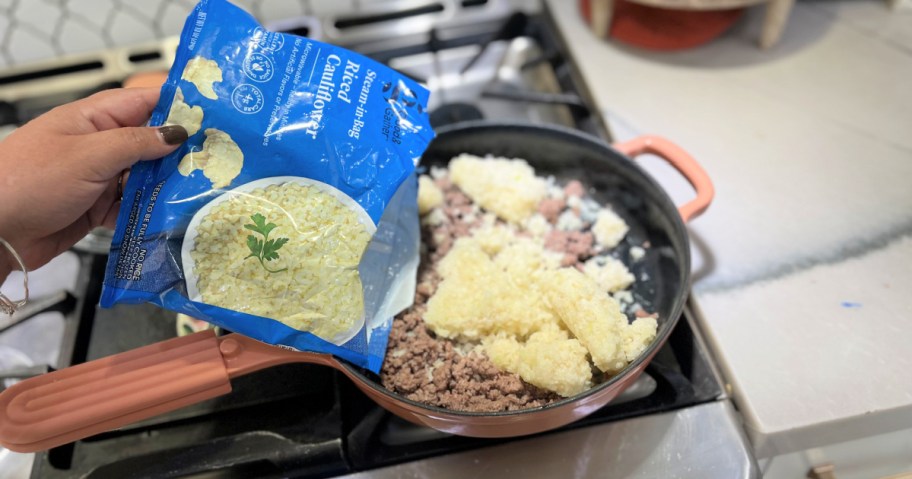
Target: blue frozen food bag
point(290, 213)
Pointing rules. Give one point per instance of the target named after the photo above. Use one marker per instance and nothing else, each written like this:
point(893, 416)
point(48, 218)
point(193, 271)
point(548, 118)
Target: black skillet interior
point(662, 275)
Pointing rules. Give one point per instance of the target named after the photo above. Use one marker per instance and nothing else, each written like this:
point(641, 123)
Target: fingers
point(107, 153)
point(68, 236)
point(106, 110)
point(110, 218)
point(104, 211)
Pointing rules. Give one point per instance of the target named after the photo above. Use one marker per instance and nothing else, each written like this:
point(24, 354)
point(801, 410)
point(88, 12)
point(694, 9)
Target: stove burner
point(454, 113)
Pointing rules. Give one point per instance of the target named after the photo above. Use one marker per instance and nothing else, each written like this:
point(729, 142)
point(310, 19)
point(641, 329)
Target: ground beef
point(576, 245)
point(460, 217)
point(551, 208)
point(575, 188)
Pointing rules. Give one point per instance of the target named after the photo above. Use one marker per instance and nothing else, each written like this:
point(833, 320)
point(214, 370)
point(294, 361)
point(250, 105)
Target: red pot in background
point(658, 28)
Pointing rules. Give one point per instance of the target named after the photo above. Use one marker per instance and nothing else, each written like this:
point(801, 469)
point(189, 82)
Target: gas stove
point(480, 59)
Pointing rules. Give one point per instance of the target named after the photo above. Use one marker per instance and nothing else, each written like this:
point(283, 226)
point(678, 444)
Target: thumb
point(109, 152)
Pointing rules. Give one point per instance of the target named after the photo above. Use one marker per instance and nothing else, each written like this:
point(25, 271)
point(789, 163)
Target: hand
point(59, 173)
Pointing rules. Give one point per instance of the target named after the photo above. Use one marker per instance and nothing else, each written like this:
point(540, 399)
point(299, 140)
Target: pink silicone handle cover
point(681, 161)
point(101, 395)
point(97, 396)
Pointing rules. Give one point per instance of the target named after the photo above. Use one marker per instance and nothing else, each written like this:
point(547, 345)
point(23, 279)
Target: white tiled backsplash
point(34, 30)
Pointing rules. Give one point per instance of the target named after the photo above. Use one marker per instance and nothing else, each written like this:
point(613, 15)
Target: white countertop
point(803, 263)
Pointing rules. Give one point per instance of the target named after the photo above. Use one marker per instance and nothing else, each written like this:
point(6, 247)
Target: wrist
point(7, 263)
point(5, 267)
point(8, 260)
point(6, 257)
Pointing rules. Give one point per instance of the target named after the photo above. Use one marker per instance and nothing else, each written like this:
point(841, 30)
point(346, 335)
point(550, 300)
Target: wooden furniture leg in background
point(777, 13)
point(601, 17)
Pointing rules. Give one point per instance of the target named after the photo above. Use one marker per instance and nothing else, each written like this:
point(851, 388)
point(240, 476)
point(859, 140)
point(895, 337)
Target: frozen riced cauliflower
point(220, 159)
point(189, 117)
point(483, 294)
point(537, 225)
point(316, 264)
point(610, 274)
point(493, 237)
point(550, 359)
point(430, 195)
point(523, 288)
point(492, 290)
point(507, 188)
point(597, 321)
point(203, 73)
point(609, 228)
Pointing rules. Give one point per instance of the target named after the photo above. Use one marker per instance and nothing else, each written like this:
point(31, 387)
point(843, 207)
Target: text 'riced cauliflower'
point(220, 159)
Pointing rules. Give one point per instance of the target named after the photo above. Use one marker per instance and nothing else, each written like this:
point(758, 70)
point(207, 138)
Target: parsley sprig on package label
point(264, 249)
point(266, 221)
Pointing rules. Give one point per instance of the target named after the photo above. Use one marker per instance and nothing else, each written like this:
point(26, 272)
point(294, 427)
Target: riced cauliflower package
point(290, 214)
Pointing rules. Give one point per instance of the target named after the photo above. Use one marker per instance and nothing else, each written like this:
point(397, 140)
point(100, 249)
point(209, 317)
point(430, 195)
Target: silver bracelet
point(7, 305)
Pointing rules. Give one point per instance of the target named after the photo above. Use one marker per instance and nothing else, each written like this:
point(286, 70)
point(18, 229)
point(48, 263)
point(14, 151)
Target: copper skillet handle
point(243, 355)
point(681, 161)
point(111, 392)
